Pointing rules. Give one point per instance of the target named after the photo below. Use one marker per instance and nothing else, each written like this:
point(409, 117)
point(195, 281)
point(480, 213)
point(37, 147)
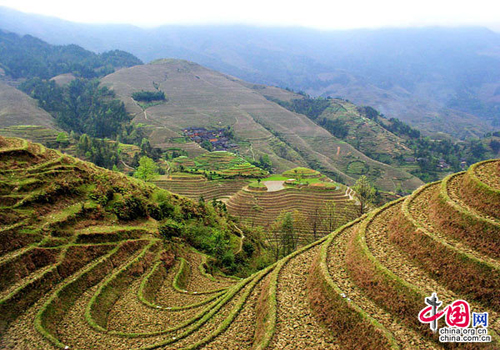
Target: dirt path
point(242, 238)
point(145, 114)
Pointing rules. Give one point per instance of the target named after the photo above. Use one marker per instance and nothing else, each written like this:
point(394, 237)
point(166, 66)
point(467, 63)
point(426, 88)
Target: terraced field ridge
point(72, 278)
point(262, 208)
point(196, 186)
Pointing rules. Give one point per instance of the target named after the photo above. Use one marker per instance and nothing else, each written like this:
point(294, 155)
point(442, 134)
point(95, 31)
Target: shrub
point(148, 96)
point(248, 248)
point(227, 261)
point(128, 208)
point(170, 228)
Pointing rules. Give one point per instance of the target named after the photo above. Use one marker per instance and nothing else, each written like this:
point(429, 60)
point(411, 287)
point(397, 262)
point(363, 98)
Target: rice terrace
point(76, 276)
point(276, 178)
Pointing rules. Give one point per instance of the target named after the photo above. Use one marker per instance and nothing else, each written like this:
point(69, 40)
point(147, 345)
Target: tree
point(365, 193)
point(62, 139)
point(495, 146)
point(282, 235)
point(207, 145)
point(301, 225)
point(273, 240)
point(288, 234)
point(145, 146)
point(219, 243)
point(147, 169)
point(314, 219)
point(265, 162)
point(330, 215)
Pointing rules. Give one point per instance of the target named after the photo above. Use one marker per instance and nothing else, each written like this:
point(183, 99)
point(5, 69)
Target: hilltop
point(92, 270)
point(200, 97)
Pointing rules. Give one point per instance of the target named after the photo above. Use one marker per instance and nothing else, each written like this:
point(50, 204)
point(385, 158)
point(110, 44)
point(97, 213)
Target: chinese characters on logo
point(458, 319)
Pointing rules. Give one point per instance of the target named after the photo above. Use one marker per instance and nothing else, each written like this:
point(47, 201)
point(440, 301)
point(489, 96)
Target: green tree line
point(81, 106)
point(29, 57)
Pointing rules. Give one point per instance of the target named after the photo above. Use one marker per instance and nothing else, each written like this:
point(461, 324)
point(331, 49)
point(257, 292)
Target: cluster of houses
point(217, 137)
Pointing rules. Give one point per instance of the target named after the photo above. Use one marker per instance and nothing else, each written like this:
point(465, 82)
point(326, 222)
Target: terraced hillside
point(17, 108)
point(35, 133)
point(261, 208)
point(72, 284)
point(201, 97)
point(364, 133)
point(222, 163)
point(196, 186)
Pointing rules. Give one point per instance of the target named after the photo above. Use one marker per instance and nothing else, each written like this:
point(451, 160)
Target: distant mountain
point(438, 79)
point(28, 57)
point(200, 97)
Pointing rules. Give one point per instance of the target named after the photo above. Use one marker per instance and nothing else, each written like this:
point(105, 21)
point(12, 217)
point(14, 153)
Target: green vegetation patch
point(357, 167)
point(219, 164)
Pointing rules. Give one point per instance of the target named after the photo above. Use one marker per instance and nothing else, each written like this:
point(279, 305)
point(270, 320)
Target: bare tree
point(315, 221)
point(330, 218)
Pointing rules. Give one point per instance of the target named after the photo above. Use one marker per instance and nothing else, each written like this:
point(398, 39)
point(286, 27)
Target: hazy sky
point(331, 14)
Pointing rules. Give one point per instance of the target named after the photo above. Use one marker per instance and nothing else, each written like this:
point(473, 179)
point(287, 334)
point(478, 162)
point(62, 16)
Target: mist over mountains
point(438, 79)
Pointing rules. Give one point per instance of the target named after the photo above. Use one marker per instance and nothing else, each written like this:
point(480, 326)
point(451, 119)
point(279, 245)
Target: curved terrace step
point(448, 261)
point(456, 219)
point(480, 191)
point(383, 265)
point(363, 311)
